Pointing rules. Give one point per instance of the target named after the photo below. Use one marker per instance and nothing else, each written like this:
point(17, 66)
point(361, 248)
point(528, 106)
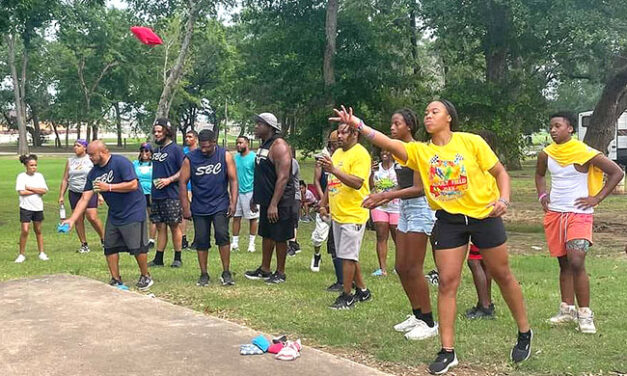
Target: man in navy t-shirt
point(165, 210)
point(114, 177)
point(212, 172)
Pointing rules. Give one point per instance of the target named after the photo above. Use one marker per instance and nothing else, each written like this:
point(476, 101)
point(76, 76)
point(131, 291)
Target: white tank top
point(567, 185)
point(78, 168)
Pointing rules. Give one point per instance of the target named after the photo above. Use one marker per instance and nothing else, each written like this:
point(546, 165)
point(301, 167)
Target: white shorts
point(348, 237)
point(320, 233)
point(243, 206)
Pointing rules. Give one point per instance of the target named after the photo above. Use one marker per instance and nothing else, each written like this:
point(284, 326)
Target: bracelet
point(109, 187)
point(541, 196)
point(361, 125)
point(507, 203)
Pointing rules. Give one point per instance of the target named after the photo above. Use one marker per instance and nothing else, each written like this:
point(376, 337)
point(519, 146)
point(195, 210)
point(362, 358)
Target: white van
point(617, 149)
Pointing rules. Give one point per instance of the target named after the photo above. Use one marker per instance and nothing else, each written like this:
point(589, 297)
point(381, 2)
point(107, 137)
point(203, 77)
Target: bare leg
point(177, 236)
point(153, 227)
point(253, 226)
point(383, 230)
point(481, 283)
point(80, 229)
point(112, 262)
point(449, 263)
point(162, 237)
point(142, 262)
point(411, 248)
point(237, 222)
point(348, 271)
point(39, 235)
point(225, 256)
point(496, 260)
point(202, 260)
point(567, 286)
point(359, 279)
point(267, 248)
point(576, 260)
point(281, 254)
point(92, 217)
point(24, 236)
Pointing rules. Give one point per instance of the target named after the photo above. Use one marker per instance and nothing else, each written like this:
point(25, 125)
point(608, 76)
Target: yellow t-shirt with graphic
point(455, 175)
point(344, 201)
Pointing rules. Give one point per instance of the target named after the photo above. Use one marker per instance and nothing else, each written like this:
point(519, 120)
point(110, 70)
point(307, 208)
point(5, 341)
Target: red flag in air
point(146, 35)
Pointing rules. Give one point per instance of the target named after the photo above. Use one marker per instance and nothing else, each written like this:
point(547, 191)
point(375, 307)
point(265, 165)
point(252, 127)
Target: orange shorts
point(561, 228)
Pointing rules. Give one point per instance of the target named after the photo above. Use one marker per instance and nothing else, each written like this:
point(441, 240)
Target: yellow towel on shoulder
point(576, 152)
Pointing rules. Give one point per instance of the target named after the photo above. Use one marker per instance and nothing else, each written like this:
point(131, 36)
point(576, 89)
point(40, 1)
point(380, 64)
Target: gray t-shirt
point(296, 178)
point(78, 168)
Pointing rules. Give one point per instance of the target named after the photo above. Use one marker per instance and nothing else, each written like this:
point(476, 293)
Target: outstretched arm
point(377, 138)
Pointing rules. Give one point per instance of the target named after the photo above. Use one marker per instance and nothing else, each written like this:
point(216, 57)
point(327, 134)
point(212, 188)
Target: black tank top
point(265, 178)
point(404, 176)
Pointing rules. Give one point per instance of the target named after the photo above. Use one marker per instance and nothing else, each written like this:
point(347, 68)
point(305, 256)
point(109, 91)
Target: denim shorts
point(416, 216)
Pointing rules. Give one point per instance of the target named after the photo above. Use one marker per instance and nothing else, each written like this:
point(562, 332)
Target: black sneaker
point(227, 279)
point(522, 350)
point(257, 274)
point(184, 243)
point(315, 263)
point(479, 312)
point(276, 278)
point(115, 282)
point(176, 264)
point(362, 296)
point(291, 251)
point(336, 287)
point(296, 247)
point(144, 282)
point(344, 301)
point(203, 280)
point(151, 244)
point(443, 362)
point(154, 264)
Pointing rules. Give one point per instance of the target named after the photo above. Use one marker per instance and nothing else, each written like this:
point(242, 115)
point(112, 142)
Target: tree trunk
point(37, 141)
point(495, 44)
point(330, 30)
point(414, 35)
point(118, 122)
point(88, 132)
point(603, 120)
point(165, 101)
point(57, 140)
point(22, 145)
point(94, 131)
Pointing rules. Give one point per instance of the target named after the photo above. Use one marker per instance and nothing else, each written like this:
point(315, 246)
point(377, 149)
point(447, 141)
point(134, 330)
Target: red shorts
point(561, 228)
point(474, 254)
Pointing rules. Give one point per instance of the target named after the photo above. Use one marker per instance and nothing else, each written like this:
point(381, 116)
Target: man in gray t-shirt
point(292, 246)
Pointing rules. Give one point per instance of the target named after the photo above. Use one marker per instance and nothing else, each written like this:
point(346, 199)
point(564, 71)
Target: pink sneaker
point(291, 351)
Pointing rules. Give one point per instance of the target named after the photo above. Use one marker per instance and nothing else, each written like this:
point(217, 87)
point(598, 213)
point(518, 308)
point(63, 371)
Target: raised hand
point(346, 117)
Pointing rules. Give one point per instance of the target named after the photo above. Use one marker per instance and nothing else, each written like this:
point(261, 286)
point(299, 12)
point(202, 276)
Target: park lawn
point(299, 307)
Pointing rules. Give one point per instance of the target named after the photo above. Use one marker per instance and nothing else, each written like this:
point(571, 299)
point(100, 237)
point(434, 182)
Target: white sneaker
point(43, 257)
point(251, 247)
point(234, 247)
point(565, 314)
point(586, 321)
point(20, 259)
point(407, 325)
point(422, 331)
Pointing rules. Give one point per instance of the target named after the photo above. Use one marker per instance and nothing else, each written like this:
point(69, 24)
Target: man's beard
point(160, 142)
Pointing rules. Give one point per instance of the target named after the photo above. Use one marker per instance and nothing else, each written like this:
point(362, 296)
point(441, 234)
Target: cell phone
point(319, 157)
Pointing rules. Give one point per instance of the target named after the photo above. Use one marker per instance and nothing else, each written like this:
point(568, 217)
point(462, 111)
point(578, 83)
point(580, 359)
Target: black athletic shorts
point(75, 197)
point(296, 212)
point(168, 210)
point(202, 230)
point(455, 230)
point(28, 215)
point(131, 238)
point(280, 231)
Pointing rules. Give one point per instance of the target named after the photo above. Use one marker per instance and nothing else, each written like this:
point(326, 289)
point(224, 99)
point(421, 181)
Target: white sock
point(251, 239)
point(235, 240)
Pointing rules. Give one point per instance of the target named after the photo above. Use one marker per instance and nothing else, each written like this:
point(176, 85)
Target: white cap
point(270, 119)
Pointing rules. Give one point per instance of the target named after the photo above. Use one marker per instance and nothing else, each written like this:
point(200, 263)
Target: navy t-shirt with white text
point(209, 178)
point(166, 161)
point(124, 208)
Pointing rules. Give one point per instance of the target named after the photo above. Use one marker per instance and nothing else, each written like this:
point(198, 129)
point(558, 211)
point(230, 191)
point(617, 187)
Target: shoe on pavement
point(407, 325)
point(115, 282)
point(522, 349)
point(154, 264)
point(227, 278)
point(565, 314)
point(43, 257)
point(176, 264)
point(276, 277)
point(336, 287)
point(443, 362)
point(362, 296)
point(315, 263)
point(144, 283)
point(585, 321)
point(257, 274)
point(379, 273)
point(422, 331)
point(20, 259)
point(203, 280)
point(344, 301)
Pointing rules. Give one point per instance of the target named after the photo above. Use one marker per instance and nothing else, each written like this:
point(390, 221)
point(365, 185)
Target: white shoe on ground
point(43, 257)
point(20, 259)
point(407, 325)
point(586, 321)
point(422, 331)
point(565, 314)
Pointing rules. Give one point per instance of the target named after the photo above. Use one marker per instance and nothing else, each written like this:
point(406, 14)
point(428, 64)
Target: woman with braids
point(458, 170)
point(30, 187)
point(413, 231)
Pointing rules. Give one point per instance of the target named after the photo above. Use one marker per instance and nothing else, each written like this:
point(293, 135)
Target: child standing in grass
point(31, 186)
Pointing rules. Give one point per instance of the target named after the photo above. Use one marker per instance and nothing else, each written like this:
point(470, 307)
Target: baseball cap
point(81, 141)
point(145, 146)
point(163, 122)
point(269, 119)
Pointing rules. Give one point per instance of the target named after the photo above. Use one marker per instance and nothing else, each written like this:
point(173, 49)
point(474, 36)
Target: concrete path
point(69, 325)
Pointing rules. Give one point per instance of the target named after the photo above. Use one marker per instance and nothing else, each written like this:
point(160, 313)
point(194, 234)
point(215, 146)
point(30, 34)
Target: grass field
point(299, 307)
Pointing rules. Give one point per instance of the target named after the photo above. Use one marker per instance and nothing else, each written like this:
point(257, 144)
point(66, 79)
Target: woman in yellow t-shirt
point(458, 171)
